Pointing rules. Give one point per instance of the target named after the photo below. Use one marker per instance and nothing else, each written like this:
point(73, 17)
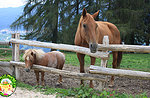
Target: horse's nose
point(93, 47)
point(27, 69)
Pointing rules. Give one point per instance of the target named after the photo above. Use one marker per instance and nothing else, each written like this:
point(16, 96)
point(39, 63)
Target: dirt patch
point(122, 85)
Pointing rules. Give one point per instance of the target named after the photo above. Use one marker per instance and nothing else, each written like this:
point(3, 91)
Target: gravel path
point(24, 93)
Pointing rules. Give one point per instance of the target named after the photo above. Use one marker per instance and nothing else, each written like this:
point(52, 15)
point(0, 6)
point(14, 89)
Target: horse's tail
point(119, 58)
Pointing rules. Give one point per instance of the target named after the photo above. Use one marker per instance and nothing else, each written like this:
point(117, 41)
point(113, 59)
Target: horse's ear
point(84, 12)
point(95, 14)
point(32, 53)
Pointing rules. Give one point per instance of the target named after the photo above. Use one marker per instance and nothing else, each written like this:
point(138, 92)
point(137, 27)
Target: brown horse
point(90, 33)
point(53, 59)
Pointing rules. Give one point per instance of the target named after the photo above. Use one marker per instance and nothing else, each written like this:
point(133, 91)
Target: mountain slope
point(9, 15)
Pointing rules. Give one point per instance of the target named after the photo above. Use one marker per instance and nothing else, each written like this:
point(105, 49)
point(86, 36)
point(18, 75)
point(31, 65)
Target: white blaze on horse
point(53, 59)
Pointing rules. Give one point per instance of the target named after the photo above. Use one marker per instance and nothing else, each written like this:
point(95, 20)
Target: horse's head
point(29, 60)
point(88, 28)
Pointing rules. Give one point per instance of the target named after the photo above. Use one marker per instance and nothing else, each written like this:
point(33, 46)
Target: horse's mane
point(79, 26)
point(38, 52)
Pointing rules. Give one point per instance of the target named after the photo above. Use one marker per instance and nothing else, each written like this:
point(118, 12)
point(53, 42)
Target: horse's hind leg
point(115, 56)
point(42, 78)
point(92, 63)
point(60, 79)
point(81, 60)
point(119, 59)
point(37, 76)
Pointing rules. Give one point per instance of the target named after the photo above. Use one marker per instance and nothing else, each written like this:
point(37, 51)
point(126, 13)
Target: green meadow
point(130, 61)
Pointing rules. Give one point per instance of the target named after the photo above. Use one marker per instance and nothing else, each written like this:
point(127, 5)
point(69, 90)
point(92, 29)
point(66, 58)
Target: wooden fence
point(12, 66)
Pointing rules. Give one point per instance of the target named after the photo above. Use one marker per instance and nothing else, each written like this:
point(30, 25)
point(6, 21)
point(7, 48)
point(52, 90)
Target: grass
point(131, 61)
point(71, 58)
point(139, 62)
point(81, 92)
point(136, 61)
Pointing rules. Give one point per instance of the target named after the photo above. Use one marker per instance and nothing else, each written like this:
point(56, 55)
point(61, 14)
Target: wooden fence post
point(100, 84)
point(106, 43)
point(15, 55)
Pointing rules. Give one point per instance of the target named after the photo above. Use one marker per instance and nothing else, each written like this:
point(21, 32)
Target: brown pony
point(90, 33)
point(53, 59)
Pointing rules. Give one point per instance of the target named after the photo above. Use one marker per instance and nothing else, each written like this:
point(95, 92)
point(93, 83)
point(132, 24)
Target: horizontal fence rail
point(119, 72)
point(7, 67)
point(5, 48)
point(72, 48)
point(125, 48)
point(69, 74)
point(4, 64)
point(4, 43)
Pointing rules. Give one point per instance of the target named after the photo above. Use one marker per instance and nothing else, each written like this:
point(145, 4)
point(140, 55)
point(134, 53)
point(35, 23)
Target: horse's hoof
point(110, 85)
point(58, 84)
point(91, 86)
point(43, 84)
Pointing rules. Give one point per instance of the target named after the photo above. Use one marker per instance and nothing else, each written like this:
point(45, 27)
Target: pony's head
point(87, 27)
point(31, 56)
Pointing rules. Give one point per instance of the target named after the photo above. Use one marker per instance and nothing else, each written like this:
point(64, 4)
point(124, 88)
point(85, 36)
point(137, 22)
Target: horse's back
point(59, 55)
point(107, 28)
point(56, 59)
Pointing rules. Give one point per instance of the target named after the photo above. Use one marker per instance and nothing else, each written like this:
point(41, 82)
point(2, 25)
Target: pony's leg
point(42, 78)
point(119, 59)
point(60, 79)
point(115, 56)
point(92, 63)
point(37, 76)
point(81, 60)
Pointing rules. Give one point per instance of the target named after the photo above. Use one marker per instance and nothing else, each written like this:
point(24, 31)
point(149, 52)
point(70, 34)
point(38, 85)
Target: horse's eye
point(84, 25)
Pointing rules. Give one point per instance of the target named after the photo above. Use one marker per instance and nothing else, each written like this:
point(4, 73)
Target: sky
point(11, 3)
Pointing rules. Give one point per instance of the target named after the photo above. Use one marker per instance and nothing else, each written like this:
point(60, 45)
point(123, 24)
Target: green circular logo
point(7, 85)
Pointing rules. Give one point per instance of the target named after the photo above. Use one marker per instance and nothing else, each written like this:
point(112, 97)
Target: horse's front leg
point(81, 60)
point(42, 78)
point(37, 76)
point(92, 63)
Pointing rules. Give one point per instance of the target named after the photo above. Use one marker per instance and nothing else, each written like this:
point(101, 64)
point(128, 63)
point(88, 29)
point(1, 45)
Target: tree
point(40, 19)
point(53, 20)
point(69, 19)
point(129, 17)
point(57, 20)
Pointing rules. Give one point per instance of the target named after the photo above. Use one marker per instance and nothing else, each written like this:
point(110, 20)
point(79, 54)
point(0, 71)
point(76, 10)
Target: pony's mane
point(38, 52)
